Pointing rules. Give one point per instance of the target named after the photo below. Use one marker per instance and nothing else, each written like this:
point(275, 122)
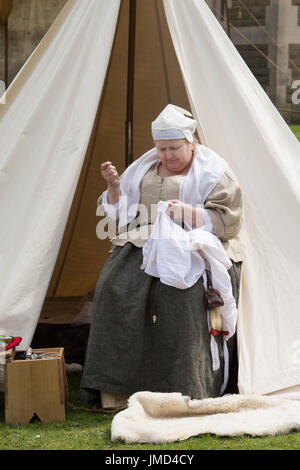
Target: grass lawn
point(296, 130)
point(91, 431)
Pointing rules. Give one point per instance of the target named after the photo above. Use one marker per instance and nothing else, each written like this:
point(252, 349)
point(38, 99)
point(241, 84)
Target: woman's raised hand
point(110, 174)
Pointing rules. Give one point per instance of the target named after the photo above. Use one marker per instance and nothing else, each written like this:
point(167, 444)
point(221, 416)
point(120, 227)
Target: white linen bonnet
point(173, 123)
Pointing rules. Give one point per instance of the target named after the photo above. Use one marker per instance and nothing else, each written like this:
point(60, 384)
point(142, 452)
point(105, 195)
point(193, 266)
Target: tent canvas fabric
point(45, 128)
point(49, 117)
point(157, 80)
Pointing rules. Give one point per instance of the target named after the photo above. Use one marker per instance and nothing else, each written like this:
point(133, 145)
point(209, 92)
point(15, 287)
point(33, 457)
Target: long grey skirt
point(127, 352)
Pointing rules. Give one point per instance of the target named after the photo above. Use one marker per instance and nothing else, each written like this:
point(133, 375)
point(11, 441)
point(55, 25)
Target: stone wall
point(30, 19)
point(256, 62)
point(297, 2)
point(27, 24)
point(239, 18)
point(280, 44)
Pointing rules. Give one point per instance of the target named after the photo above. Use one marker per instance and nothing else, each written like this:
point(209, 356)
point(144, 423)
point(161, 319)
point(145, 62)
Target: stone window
point(240, 17)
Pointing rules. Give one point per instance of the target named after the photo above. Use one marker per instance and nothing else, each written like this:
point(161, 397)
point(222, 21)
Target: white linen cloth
point(179, 258)
point(206, 169)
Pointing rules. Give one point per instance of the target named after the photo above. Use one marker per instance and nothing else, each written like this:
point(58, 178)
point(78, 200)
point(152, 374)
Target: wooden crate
point(36, 387)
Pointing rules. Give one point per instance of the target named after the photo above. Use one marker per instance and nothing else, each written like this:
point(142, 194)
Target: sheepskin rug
point(168, 417)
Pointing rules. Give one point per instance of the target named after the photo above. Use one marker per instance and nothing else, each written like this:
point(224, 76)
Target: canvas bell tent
point(157, 81)
point(65, 113)
point(81, 254)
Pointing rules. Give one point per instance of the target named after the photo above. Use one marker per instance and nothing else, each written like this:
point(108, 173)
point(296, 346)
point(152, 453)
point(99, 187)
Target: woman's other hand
point(182, 212)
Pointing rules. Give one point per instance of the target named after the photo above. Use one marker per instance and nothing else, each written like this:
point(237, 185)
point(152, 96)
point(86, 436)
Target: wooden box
point(36, 387)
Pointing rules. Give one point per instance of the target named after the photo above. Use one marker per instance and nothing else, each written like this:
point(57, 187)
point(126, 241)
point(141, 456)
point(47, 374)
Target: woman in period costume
point(150, 327)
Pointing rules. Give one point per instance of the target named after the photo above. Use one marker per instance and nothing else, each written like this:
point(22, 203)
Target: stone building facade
point(277, 36)
point(30, 19)
point(28, 22)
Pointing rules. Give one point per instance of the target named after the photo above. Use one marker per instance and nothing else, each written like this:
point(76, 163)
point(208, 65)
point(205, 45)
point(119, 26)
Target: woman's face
point(175, 155)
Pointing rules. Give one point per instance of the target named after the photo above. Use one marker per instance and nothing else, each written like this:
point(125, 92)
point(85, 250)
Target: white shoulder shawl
point(206, 170)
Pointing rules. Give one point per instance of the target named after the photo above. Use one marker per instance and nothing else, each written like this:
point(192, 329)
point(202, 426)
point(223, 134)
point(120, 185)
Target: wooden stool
point(36, 387)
